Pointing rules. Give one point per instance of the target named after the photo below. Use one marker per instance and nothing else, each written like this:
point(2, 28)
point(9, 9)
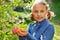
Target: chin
point(40, 20)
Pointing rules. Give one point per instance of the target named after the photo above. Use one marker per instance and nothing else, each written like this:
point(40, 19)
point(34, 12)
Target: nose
point(38, 14)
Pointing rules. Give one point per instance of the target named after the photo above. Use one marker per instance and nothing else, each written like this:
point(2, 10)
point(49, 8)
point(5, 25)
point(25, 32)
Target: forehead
point(39, 7)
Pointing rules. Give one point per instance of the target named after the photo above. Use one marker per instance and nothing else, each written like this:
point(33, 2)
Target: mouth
point(39, 17)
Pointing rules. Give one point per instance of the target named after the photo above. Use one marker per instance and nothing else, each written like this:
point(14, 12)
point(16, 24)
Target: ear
point(47, 12)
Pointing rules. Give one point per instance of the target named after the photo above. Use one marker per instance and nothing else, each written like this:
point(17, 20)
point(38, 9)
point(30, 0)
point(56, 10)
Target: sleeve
point(22, 38)
point(29, 36)
point(49, 33)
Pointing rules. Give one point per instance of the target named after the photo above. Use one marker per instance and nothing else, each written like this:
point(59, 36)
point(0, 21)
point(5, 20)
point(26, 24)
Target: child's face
point(39, 12)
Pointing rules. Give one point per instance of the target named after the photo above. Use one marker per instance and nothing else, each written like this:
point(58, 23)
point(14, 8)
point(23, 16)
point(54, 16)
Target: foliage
point(10, 18)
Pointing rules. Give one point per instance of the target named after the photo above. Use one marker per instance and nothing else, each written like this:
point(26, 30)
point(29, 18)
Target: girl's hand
point(22, 33)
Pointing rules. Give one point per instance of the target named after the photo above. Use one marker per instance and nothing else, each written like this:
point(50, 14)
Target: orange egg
point(20, 30)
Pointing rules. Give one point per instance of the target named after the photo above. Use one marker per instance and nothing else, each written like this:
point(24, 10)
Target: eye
point(42, 11)
point(36, 11)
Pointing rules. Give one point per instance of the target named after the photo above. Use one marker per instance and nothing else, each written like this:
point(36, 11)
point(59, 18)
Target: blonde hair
point(40, 1)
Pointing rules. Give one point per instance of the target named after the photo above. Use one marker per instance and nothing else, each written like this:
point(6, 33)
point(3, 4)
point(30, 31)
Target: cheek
point(34, 14)
point(43, 15)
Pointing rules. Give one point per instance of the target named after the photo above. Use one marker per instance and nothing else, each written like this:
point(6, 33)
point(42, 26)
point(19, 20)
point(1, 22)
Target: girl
point(42, 29)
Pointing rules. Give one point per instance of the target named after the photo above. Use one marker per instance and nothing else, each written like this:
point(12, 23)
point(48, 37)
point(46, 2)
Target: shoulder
point(50, 27)
point(49, 30)
point(32, 24)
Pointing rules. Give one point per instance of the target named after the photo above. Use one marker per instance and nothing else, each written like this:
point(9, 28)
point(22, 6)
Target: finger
point(19, 34)
point(24, 31)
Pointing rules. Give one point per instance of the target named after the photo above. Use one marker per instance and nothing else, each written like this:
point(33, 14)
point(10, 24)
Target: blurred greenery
point(13, 14)
point(56, 20)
